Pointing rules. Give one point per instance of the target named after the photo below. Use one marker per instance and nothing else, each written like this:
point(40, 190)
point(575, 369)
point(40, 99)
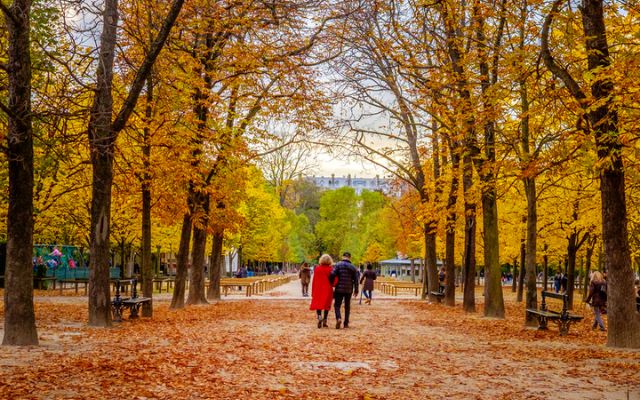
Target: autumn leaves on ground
point(271, 348)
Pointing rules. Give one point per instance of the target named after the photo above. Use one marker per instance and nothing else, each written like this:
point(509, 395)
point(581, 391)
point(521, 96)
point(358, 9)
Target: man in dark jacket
point(346, 287)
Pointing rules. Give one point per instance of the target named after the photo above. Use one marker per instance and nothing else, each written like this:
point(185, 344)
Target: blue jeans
point(368, 294)
point(597, 318)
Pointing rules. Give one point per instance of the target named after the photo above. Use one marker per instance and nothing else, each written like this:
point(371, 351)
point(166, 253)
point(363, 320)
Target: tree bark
point(523, 272)
point(587, 269)
point(147, 268)
point(450, 238)
point(413, 270)
point(217, 260)
point(101, 141)
point(431, 268)
point(196, 283)
point(102, 137)
point(494, 301)
point(572, 251)
point(602, 116)
point(19, 316)
point(623, 319)
point(182, 261)
point(515, 275)
point(531, 248)
point(469, 264)
point(545, 267)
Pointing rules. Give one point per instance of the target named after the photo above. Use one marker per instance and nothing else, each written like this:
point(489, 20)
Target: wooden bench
point(159, 282)
point(414, 287)
point(563, 318)
point(227, 285)
point(118, 304)
point(42, 282)
point(439, 295)
point(75, 282)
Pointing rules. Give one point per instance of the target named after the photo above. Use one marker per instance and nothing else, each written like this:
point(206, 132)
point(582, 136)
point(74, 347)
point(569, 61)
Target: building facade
point(358, 184)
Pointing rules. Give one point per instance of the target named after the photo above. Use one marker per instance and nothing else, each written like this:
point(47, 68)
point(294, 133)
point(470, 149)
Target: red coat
point(321, 288)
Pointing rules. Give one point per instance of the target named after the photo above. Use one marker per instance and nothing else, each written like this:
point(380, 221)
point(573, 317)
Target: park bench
point(118, 304)
point(562, 317)
point(75, 282)
point(229, 284)
point(410, 286)
point(159, 283)
point(439, 294)
point(42, 282)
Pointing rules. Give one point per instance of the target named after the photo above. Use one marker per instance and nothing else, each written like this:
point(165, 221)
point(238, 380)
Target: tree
point(601, 118)
point(338, 219)
point(371, 76)
point(103, 131)
point(19, 320)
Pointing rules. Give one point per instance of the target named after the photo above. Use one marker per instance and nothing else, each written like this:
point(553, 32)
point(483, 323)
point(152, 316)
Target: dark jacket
point(597, 294)
point(347, 277)
point(368, 277)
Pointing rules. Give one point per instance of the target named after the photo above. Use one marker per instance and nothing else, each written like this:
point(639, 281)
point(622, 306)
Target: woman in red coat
point(322, 290)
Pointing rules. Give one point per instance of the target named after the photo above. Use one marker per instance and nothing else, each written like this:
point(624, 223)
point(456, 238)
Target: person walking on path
point(347, 286)
point(556, 281)
point(368, 277)
point(305, 278)
point(598, 297)
point(322, 290)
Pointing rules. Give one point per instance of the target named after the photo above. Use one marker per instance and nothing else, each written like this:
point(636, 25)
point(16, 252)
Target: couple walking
point(338, 282)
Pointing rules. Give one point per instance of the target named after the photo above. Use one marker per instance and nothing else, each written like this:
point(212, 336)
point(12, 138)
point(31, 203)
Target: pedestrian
point(346, 287)
point(598, 297)
point(368, 277)
point(305, 278)
point(441, 279)
point(322, 290)
point(556, 281)
point(564, 282)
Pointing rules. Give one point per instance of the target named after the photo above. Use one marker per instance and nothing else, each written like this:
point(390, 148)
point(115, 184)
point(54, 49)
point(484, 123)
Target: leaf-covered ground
point(271, 349)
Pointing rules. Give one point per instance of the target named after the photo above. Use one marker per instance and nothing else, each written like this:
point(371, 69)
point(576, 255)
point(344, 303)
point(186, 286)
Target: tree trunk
point(196, 283)
point(545, 267)
point(587, 269)
point(469, 264)
point(217, 261)
point(19, 316)
point(623, 319)
point(431, 283)
point(147, 268)
point(572, 250)
point(530, 258)
point(182, 261)
point(413, 270)
point(450, 239)
point(602, 116)
point(514, 276)
point(101, 142)
point(523, 272)
point(102, 136)
point(494, 301)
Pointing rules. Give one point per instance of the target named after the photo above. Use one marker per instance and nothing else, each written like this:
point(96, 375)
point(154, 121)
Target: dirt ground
point(270, 348)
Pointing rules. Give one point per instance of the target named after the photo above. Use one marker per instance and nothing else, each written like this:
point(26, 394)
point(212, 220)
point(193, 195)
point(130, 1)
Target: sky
point(330, 164)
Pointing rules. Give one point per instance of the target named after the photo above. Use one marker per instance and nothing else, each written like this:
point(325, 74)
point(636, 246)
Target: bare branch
point(550, 62)
point(8, 13)
point(147, 65)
